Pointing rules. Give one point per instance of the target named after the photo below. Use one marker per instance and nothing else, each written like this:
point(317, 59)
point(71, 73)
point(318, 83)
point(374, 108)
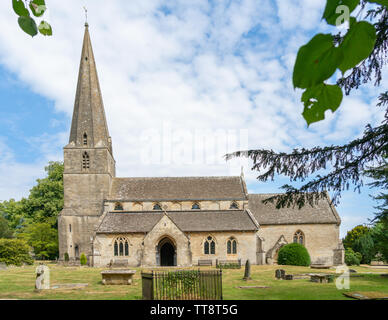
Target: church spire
point(89, 127)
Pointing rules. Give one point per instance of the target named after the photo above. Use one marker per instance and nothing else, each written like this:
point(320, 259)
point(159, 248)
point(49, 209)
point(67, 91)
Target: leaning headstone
point(3, 266)
point(280, 273)
point(247, 273)
point(42, 281)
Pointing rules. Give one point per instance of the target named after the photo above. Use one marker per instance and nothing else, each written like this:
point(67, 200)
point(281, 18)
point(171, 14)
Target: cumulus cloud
point(199, 67)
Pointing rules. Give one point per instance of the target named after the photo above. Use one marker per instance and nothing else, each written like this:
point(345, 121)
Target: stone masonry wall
point(320, 239)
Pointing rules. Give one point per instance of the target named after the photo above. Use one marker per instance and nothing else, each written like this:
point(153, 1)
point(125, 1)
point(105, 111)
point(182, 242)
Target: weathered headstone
point(247, 273)
point(280, 273)
point(42, 281)
point(3, 266)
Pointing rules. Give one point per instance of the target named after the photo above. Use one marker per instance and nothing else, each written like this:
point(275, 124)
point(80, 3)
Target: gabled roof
point(267, 214)
point(178, 188)
point(227, 220)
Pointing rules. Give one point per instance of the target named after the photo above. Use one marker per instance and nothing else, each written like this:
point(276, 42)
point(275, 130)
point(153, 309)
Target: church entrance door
point(167, 252)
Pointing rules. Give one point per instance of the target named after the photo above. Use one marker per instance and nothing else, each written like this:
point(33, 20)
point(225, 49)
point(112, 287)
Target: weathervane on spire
point(86, 16)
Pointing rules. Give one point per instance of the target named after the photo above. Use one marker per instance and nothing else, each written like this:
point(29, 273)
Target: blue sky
point(190, 66)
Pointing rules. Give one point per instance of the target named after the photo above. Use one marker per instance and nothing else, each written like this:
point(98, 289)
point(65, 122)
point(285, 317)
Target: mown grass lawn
point(18, 283)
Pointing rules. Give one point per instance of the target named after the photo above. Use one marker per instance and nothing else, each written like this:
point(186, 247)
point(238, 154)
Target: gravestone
point(289, 277)
point(42, 281)
point(3, 266)
point(280, 273)
point(247, 273)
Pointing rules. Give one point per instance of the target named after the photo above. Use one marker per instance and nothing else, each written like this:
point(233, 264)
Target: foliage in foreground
point(28, 24)
point(349, 163)
point(14, 252)
point(294, 254)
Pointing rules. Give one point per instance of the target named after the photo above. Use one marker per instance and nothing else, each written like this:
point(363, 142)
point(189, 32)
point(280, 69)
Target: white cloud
point(194, 65)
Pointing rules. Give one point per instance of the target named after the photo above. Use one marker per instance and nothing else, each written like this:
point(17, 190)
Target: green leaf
point(28, 25)
point(38, 7)
point(382, 2)
point(330, 14)
point(316, 61)
point(357, 45)
point(318, 99)
point(19, 8)
point(45, 29)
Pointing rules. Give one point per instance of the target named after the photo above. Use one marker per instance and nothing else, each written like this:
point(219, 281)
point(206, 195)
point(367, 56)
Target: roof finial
point(86, 17)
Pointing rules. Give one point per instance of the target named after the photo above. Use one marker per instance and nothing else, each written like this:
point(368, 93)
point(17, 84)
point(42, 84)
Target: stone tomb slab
point(117, 277)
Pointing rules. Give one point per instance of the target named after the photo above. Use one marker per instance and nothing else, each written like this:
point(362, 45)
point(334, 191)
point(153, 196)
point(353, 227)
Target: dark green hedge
point(294, 254)
point(15, 252)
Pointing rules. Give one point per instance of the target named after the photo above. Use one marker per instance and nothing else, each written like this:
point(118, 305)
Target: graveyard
point(85, 283)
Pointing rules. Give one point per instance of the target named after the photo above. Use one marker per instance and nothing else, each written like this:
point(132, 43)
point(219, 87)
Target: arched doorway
point(167, 252)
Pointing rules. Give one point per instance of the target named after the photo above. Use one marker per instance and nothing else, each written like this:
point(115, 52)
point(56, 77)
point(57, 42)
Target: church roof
point(88, 115)
point(267, 214)
point(227, 220)
point(178, 188)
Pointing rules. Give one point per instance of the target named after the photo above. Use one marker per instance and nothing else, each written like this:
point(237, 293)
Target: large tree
point(34, 219)
point(5, 231)
point(360, 55)
point(46, 197)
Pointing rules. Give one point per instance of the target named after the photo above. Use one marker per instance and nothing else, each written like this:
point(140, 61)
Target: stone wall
point(319, 239)
point(84, 193)
point(189, 248)
point(246, 246)
point(82, 231)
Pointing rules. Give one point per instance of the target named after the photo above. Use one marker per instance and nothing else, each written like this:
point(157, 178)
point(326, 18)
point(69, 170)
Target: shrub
point(83, 259)
point(352, 258)
point(294, 254)
point(66, 256)
point(14, 252)
point(43, 238)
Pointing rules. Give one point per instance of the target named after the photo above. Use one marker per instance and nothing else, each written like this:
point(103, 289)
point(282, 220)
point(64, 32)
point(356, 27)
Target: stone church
point(170, 221)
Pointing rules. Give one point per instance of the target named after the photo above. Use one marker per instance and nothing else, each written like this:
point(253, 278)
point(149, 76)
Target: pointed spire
point(89, 127)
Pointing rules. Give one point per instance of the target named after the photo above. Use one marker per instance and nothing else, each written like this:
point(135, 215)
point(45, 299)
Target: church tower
point(89, 166)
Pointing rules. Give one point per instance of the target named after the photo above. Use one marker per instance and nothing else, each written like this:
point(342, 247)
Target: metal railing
point(182, 285)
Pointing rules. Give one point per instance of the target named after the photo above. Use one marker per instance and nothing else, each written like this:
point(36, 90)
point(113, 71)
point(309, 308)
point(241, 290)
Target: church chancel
point(170, 221)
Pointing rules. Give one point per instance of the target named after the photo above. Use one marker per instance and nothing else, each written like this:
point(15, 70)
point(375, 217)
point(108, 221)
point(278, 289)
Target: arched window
point(233, 205)
point(195, 206)
point(121, 247)
point(85, 160)
point(69, 227)
point(231, 246)
point(118, 206)
point(209, 246)
point(85, 139)
point(299, 237)
point(157, 206)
